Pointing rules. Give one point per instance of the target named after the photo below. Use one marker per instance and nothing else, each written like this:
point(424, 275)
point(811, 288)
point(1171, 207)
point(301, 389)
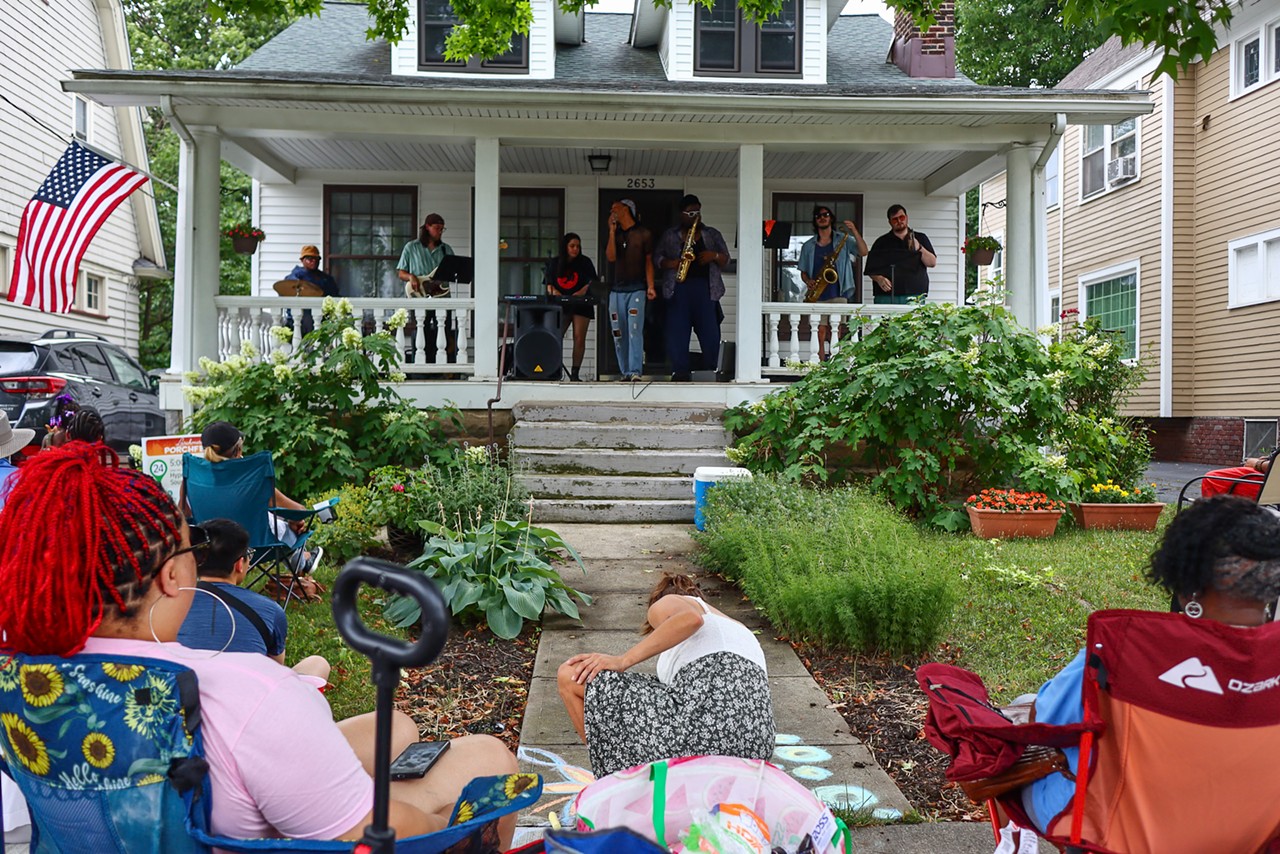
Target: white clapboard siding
point(39, 43)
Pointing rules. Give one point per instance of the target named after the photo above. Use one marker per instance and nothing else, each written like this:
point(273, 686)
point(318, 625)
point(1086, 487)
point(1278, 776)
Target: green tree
point(1020, 42)
point(189, 34)
point(1183, 32)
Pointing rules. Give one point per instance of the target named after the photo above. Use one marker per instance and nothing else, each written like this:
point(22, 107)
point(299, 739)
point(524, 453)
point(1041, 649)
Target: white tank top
point(717, 634)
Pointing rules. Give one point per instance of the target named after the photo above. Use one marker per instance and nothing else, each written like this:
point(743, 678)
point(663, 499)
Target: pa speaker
point(537, 347)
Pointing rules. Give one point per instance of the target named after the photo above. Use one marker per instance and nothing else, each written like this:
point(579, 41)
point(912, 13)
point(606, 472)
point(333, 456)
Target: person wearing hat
point(630, 250)
point(11, 442)
point(691, 303)
point(420, 258)
point(308, 270)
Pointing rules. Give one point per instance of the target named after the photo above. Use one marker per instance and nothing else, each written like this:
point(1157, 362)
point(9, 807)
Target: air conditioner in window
point(1122, 169)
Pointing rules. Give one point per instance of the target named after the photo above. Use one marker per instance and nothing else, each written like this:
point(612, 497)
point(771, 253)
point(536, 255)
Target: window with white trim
point(727, 44)
point(436, 19)
point(1253, 269)
point(1109, 157)
point(1055, 313)
point(4, 270)
point(1112, 297)
point(996, 268)
point(80, 118)
point(1255, 58)
point(92, 296)
point(1052, 182)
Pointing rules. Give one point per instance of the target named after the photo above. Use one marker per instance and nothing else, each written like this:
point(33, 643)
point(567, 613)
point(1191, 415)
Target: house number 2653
point(641, 183)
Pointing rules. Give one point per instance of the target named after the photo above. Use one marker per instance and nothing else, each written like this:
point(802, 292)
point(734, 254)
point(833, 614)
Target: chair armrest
point(1035, 762)
point(293, 515)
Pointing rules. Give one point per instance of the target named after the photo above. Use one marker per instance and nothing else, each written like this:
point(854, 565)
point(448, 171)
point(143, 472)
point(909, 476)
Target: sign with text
point(162, 459)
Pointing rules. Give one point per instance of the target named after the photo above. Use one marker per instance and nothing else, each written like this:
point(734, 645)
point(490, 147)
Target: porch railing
point(791, 329)
point(424, 347)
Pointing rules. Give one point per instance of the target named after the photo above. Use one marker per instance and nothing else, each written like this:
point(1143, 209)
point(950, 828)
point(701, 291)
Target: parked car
point(95, 372)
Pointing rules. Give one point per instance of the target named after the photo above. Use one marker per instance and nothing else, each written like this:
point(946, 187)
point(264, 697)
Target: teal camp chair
point(243, 490)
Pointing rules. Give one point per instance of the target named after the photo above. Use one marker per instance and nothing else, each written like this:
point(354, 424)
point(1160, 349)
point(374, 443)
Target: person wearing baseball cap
point(420, 258)
point(11, 442)
point(308, 270)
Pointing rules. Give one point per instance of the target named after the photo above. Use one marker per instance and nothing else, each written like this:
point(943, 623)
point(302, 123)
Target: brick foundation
point(1210, 441)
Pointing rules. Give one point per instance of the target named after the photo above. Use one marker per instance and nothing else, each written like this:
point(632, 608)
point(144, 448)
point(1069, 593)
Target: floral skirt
point(718, 705)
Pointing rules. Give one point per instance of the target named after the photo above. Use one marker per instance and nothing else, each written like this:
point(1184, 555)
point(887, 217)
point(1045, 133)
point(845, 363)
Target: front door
point(657, 210)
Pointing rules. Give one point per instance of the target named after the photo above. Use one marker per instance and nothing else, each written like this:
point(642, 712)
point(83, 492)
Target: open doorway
point(657, 210)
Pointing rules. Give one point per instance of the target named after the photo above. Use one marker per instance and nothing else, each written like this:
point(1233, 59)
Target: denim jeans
point(626, 318)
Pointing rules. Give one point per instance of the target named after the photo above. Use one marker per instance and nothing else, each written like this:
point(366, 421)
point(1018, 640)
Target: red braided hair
point(76, 531)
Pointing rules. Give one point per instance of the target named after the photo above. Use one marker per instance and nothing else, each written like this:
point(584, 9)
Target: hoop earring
point(230, 616)
point(1193, 609)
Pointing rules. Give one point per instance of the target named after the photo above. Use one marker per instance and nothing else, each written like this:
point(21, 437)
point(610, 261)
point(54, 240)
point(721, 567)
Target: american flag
point(59, 223)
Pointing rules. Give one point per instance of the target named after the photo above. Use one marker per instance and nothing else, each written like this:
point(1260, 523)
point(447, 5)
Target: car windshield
point(16, 358)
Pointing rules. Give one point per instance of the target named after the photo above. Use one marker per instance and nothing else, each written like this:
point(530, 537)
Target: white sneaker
point(315, 560)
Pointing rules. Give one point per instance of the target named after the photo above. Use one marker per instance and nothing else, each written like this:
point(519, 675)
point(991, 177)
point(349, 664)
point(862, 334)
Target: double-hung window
point(531, 222)
point(1255, 58)
point(436, 19)
point(1253, 269)
point(366, 228)
point(1108, 157)
point(91, 293)
point(727, 44)
point(1112, 297)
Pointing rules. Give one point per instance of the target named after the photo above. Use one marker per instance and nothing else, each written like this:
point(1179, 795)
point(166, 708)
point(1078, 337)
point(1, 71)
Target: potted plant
point(401, 498)
point(980, 249)
point(1013, 513)
point(1111, 507)
point(245, 238)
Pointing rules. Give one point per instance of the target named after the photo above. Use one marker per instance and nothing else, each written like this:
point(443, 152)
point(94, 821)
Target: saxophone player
point(826, 253)
point(691, 256)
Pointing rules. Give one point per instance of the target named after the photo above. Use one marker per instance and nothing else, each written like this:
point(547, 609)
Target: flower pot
point(245, 245)
point(989, 524)
point(981, 257)
point(1117, 517)
point(404, 541)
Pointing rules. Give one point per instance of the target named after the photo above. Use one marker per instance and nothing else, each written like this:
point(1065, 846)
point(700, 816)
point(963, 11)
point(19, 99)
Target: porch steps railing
point(614, 462)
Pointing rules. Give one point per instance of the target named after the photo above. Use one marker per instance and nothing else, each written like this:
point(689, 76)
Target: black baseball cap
point(222, 436)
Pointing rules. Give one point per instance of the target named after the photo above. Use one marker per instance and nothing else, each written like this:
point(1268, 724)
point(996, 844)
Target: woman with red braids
point(121, 580)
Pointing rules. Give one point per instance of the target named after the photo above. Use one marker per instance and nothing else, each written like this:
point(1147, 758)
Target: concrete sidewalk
point(815, 745)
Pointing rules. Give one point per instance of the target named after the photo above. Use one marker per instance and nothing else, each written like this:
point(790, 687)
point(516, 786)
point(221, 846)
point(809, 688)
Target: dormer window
point(727, 44)
point(437, 20)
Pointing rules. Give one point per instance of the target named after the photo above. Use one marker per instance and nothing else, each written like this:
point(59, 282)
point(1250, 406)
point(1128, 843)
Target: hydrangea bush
point(328, 410)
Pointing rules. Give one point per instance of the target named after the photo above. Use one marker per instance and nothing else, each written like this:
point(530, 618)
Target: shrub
point(936, 403)
point(500, 570)
point(355, 529)
point(480, 487)
point(838, 566)
point(327, 411)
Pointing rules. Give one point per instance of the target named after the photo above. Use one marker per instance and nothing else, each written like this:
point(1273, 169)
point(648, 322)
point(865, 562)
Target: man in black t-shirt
point(630, 250)
point(899, 260)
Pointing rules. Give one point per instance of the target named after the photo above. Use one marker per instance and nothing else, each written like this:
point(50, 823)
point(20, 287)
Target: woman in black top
point(571, 274)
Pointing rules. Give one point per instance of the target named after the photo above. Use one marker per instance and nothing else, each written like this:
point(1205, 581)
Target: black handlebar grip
point(395, 579)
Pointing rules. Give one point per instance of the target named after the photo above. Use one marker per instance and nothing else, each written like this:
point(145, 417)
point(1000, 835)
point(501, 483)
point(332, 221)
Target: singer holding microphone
point(899, 261)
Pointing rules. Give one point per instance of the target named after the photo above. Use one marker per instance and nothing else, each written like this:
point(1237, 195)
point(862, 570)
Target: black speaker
point(537, 348)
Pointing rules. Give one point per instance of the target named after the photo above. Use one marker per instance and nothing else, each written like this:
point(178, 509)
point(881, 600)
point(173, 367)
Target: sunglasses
point(823, 215)
point(199, 547)
point(898, 218)
point(696, 212)
point(248, 554)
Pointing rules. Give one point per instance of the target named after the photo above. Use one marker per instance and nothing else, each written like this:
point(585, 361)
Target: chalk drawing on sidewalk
point(561, 783)
point(805, 762)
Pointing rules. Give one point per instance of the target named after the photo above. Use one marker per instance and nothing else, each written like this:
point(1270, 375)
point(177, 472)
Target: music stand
point(455, 268)
point(777, 234)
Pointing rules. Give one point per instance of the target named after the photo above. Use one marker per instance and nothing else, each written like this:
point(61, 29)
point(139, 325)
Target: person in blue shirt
point(308, 270)
point(255, 623)
point(11, 441)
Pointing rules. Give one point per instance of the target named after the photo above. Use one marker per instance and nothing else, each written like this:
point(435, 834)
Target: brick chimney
point(929, 54)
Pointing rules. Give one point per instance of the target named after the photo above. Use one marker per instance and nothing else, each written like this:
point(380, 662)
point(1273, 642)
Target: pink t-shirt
point(278, 764)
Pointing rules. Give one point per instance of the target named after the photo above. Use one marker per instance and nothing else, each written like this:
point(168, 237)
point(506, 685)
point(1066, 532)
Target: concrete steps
point(614, 462)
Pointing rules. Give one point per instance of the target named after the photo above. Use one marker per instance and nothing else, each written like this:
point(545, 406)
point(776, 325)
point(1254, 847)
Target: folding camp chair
point(243, 490)
point(110, 753)
point(1268, 487)
point(1180, 732)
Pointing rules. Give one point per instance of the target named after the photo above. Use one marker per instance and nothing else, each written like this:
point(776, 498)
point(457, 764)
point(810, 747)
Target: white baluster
point(464, 320)
point(814, 321)
point(775, 354)
point(297, 329)
point(401, 346)
point(223, 323)
point(277, 319)
point(442, 338)
point(420, 338)
point(794, 319)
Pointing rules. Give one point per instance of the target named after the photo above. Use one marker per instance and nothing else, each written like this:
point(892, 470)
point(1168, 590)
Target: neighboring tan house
point(1168, 227)
point(39, 43)
point(351, 143)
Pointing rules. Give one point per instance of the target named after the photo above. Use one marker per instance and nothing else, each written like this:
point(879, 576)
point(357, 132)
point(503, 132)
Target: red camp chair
point(1179, 745)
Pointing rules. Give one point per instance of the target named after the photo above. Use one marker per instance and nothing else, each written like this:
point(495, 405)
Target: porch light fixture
point(599, 162)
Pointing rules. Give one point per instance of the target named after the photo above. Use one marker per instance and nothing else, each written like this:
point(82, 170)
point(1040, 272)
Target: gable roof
point(332, 46)
point(1110, 56)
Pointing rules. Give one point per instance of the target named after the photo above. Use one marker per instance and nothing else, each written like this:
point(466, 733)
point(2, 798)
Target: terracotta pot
point(981, 257)
point(244, 245)
point(1117, 517)
point(989, 524)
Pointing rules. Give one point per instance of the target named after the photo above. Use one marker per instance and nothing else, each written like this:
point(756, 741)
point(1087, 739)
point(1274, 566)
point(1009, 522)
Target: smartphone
point(417, 759)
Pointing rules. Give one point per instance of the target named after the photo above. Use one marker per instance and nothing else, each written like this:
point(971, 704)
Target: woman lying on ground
point(120, 582)
point(711, 695)
point(1220, 559)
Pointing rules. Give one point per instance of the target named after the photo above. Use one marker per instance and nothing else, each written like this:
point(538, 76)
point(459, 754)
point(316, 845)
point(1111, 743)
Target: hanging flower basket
point(244, 245)
point(245, 238)
point(980, 250)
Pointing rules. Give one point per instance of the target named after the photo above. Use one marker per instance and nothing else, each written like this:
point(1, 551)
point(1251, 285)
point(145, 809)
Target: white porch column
point(485, 252)
point(750, 261)
point(1019, 239)
point(196, 267)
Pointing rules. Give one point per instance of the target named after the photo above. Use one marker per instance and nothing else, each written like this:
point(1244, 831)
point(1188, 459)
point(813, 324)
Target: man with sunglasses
point(256, 624)
point(900, 260)
point(691, 304)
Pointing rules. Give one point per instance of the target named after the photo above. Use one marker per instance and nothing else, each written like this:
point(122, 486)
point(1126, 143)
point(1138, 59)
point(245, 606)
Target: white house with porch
point(351, 143)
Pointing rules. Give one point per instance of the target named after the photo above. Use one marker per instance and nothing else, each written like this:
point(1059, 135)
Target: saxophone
point(827, 276)
point(686, 256)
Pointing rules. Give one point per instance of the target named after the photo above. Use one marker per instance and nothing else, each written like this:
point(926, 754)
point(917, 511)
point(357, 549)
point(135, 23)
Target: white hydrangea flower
point(278, 357)
point(1103, 350)
point(344, 370)
point(281, 334)
point(345, 309)
point(248, 350)
point(282, 373)
point(191, 377)
point(476, 455)
point(397, 376)
point(1047, 331)
point(971, 355)
point(1055, 462)
point(398, 319)
point(207, 364)
point(352, 338)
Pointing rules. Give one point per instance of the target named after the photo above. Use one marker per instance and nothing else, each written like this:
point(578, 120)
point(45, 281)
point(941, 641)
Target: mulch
point(884, 707)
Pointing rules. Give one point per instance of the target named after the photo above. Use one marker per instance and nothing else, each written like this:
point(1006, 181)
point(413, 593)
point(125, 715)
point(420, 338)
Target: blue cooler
point(705, 477)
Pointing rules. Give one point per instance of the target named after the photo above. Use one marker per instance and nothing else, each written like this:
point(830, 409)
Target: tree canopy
point(1183, 31)
point(1020, 42)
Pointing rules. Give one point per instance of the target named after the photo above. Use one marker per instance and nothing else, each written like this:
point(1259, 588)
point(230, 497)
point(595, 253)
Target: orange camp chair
point(1182, 735)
